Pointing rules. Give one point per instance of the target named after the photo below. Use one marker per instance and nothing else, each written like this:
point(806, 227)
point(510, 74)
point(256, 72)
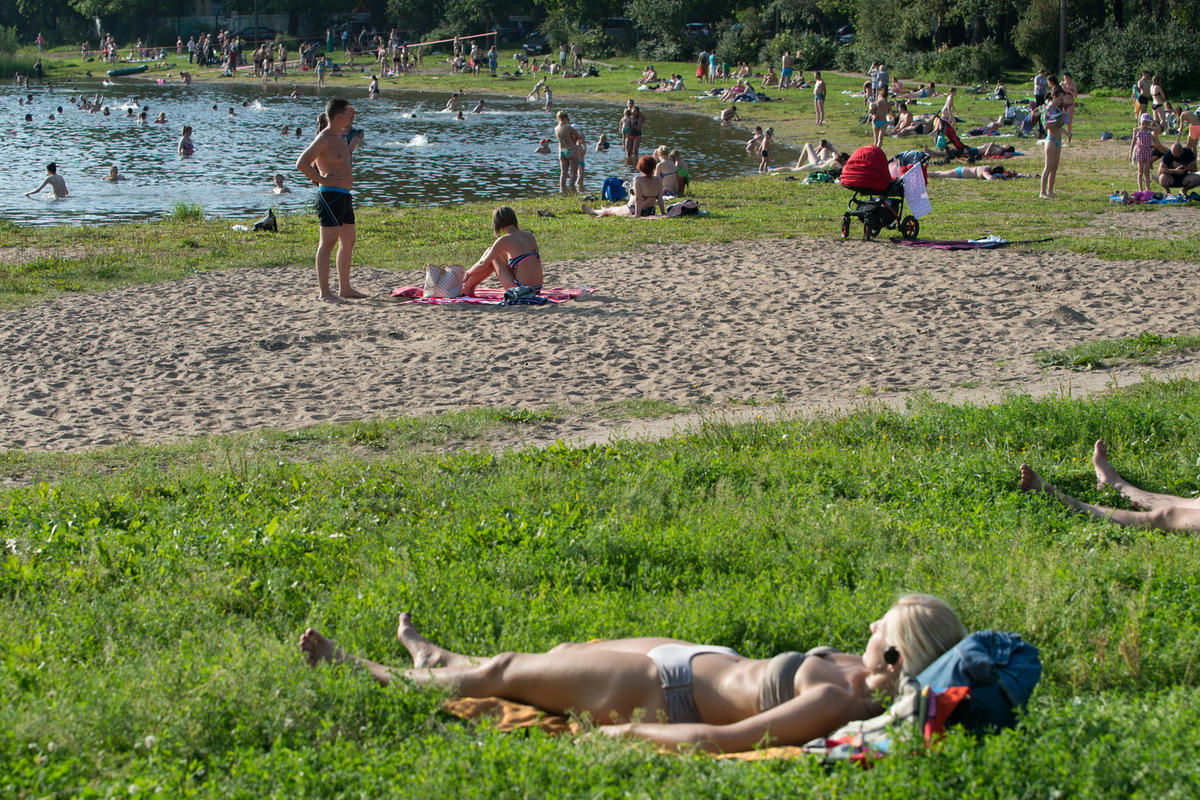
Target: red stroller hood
point(867, 170)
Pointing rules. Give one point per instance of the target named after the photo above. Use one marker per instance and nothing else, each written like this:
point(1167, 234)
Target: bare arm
point(35, 191)
point(306, 163)
point(816, 712)
point(478, 273)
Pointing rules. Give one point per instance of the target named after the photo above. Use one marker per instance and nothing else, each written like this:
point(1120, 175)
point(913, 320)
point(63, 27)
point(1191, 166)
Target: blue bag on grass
point(1001, 671)
point(613, 190)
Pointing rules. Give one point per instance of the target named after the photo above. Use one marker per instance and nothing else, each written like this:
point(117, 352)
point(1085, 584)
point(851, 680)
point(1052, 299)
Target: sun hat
point(1146, 118)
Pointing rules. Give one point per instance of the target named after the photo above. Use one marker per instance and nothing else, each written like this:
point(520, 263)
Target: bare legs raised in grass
point(1164, 512)
point(609, 680)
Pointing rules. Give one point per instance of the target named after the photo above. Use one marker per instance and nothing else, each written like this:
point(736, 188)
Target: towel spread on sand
point(486, 297)
point(977, 244)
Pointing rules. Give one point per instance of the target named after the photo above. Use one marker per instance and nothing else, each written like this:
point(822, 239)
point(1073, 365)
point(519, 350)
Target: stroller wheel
point(845, 226)
point(910, 227)
point(868, 231)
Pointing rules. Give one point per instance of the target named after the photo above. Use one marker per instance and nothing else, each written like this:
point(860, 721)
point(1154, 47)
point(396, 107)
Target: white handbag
point(443, 281)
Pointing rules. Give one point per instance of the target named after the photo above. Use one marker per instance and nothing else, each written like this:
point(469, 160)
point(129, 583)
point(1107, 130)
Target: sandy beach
point(814, 324)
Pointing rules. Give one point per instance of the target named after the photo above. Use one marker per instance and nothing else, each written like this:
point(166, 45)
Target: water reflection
point(414, 153)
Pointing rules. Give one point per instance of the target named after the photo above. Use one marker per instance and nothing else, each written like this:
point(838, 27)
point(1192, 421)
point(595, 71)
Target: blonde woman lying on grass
point(1166, 512)
point(707, 696)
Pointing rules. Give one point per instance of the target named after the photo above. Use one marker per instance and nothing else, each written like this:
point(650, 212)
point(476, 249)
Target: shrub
point(814, 51)
point(735, 45)
point(654, 49)
point(966, 63)
point(782, 42)
point(1115, 57)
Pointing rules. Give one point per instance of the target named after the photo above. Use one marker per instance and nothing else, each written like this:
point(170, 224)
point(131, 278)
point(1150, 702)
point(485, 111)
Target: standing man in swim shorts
point(326, 162)
point(785, 70)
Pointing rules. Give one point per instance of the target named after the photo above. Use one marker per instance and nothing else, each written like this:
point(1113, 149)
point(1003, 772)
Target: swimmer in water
point(161, 118)
point(543, 147)
point(284, 130)
point(53, 180)
point(113, 176)
point(460, 116)
point(278, 188)
point(186, 147)
point(478, 109)
point(231, 113)
point(602, 144)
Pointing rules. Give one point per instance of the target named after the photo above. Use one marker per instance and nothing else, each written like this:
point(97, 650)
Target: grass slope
point(150, 614)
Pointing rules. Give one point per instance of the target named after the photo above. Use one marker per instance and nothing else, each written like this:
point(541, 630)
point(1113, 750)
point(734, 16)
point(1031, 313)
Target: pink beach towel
point(485, 297)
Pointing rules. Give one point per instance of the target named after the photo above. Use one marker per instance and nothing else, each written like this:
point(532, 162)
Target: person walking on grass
point(1164, 512)
point(1052, 119)
point(326, 162)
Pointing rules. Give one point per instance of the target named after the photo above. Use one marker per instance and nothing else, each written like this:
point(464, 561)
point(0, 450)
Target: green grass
point(150, 610)
point(1145, 348)
point(186, 212)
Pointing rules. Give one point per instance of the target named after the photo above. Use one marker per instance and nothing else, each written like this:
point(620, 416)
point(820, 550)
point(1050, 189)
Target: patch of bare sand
point(815, 323)
point(26, 254)
point(1150, 222)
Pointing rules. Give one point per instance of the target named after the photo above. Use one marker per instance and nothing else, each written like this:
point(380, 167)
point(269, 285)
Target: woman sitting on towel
point(646, 194)
point(708, 696)
point(513, 258)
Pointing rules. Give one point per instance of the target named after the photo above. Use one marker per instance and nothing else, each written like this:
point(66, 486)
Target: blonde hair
point(922, 627)
point(662, 152)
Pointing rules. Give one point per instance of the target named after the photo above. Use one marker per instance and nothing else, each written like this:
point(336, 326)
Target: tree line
point(1108, 42)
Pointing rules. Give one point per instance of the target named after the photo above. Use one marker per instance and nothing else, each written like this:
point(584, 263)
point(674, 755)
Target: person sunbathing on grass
point(513, 258)
point(993, 173)
point(690, 694)
point(1164, 512)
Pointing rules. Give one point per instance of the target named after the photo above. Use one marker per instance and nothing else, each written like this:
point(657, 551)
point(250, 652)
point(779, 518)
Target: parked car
point(260, 34)
point(844, 35)
point(536, 44)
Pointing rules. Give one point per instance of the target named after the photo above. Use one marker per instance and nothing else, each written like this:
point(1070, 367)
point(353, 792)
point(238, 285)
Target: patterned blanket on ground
point(485, 297)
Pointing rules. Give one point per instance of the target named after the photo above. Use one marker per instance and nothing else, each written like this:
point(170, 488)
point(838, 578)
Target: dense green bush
point(815, 51)
point(966, 63)
point(734, 46)
point(1115, 57)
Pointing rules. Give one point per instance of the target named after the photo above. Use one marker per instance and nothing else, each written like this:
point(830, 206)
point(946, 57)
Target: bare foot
point(353, 294)
point(329, 297)
point(425, 654)
point(1105, 474)
point(587, 209)
point(320, 650)
point(1030, 480)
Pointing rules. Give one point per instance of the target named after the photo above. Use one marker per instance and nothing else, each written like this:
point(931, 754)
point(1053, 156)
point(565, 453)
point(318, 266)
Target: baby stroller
point(866, 173)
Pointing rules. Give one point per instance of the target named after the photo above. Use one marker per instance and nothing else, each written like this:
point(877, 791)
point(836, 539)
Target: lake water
point(413, 153)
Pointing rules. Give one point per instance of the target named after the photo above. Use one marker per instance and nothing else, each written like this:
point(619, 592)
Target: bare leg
point(609, 685)
point(346, 237)
point(425, 653)
point(1107, 476)
point(1165, 519)
point(320, 650)
point(329, 237)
